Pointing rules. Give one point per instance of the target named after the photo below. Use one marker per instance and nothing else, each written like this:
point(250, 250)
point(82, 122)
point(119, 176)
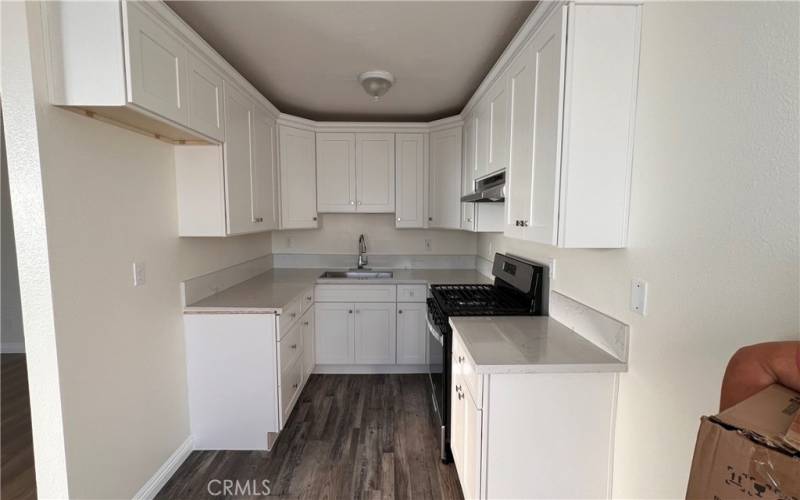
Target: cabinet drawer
point(463, 366)
point(291, 346)
point(412, 293)
point(290, 315)
point(355, 293)
point(291, 382)
point(307, 298)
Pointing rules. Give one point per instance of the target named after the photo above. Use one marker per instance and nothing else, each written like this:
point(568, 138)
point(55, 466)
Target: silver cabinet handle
point(469, 219)
point(352, 202)
point(295, 386)
point(398, 219)
point(460, 395)
point(293, 346)
point(458, 388)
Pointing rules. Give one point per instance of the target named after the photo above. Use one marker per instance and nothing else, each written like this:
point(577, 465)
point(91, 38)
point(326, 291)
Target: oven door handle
point(435, 332)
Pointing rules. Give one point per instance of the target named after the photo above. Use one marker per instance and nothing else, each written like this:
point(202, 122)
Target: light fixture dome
point(376, 83)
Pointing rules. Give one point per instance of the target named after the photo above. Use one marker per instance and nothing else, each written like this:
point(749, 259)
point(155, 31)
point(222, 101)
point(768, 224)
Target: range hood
point(489, 188)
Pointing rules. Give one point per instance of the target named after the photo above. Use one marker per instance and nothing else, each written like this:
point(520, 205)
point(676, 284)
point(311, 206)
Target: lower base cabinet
point(531, 435)
point(356, 333)
point(412, 333)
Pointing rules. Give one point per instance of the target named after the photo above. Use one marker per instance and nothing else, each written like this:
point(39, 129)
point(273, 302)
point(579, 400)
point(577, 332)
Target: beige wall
point(338, 234)
point(714, 225)
point(109, 200)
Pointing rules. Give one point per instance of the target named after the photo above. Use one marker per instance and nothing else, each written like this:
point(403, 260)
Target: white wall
point(714, 225)
point(338, 234)
point(11, 337)
point(109, 199)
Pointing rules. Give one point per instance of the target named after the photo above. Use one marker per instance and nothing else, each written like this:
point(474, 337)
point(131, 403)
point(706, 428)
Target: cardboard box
point(751, 450)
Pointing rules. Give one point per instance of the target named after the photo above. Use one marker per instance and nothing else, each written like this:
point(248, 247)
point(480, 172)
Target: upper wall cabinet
point(230, 189)
point(445, 173)
point(298, 178)
point(410, 184)
point(129, 62)
point(572, 91)
point(355, 172)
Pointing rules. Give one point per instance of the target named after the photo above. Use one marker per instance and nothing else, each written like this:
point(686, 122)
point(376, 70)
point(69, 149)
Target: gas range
point(520, 288)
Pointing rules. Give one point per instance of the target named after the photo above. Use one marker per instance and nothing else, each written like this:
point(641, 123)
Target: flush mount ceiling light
point(376, 83)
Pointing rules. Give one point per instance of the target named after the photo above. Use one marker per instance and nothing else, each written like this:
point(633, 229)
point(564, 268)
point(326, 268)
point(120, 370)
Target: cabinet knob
point(430, 219)
point(350, 311)
point(305, 323)
point(293, 315)
point(460, 359)
point(460, 396)
point(313, 218)
point(398, 219)
point(469, 219)
point(359, 202)
point(458, 388)
point(400, 311)
point(309, 297)
point(352, 202)
point(295, 386)
point(293, 346)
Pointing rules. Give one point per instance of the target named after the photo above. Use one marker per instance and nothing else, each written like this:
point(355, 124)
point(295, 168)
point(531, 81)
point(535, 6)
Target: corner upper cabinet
point(410, 186)
point(445, 174)
point(127, 61)
point(298, 178)
point(572, 92)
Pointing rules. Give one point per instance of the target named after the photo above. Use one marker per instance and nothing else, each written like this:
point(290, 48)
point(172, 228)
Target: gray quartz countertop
point(269, 292)
point(530, 344)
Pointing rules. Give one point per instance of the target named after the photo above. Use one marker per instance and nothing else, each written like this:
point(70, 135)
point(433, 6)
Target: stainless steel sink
point(357, 275)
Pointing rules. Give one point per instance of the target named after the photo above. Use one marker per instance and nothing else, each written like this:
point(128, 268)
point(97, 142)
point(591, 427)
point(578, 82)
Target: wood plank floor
point(17, 476)
point(350, 436)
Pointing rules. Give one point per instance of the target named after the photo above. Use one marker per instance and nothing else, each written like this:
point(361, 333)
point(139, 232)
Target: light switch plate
point(639, 296)
point(139, 276)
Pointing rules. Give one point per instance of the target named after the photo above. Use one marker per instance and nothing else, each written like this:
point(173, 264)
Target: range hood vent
point(489, 188)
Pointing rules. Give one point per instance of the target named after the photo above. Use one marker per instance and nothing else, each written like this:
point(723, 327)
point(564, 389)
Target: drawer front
point(355, 293)
point(291, 383)
point(290, 315)
point(463, 366)
point(291, 345)
point(307, 298)
point(412, 293)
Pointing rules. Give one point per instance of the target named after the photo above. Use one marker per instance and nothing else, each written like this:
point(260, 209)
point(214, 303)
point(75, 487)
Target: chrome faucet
point(362, 252)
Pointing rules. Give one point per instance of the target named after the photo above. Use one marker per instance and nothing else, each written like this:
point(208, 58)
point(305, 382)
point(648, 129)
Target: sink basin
point(357, 275)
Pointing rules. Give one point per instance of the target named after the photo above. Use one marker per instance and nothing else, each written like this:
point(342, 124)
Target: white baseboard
point(369, 369)
point(165, 472)
point(12, 347)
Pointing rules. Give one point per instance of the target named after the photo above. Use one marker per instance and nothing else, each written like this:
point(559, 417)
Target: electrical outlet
point(139, 276)
point(428, 245)
point(639, 296)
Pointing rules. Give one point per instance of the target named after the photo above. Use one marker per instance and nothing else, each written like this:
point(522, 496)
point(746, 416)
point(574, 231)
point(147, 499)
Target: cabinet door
point(482, 137)
point(298, 178)
point(498, 126)
point(375, 332)
point(375, 173)
point(336, 172)
point(457, 423)
point(205, 99)
point(335, 327)
point(412, 333)
point(468, 172)
point(471, 457)
point(238, 161)
point(157, 62)
point(265, 171)
point(309, 358)
point(410, 180)
point(522, 92)
point(547, 46)
point(445, 167)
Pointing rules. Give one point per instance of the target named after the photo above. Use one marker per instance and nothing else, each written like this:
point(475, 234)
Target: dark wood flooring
point(17, 476)
point(350, 436)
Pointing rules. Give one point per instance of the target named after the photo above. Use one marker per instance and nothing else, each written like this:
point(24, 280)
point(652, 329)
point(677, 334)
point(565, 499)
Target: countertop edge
point(552, 368)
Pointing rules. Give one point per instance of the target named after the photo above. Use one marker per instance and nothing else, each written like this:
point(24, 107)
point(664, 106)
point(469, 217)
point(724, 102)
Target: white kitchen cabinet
point(205, 95)
point(336, 172)
point(130, 62)
point(265, 188)
point(410, 185)
point(375, 173)
point(483, 132)
point(498, 126)
point(445, 174)
point(158, 65)
point(298, 178)
point(230, 189)
point(238, 147)
point(335, 332)
point(307, 323)
point(573, 98)
point(375, 333)
point(412, 333)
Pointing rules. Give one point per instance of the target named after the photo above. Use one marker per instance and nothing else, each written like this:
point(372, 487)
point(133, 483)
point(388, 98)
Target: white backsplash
point(203, 286)
point(326, 261)
point(602, 330)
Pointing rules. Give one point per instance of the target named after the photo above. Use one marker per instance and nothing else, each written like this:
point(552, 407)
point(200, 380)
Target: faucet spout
point(362, 252)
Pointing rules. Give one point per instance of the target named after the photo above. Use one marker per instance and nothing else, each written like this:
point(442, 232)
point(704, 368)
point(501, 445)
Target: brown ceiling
point(305, 56)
